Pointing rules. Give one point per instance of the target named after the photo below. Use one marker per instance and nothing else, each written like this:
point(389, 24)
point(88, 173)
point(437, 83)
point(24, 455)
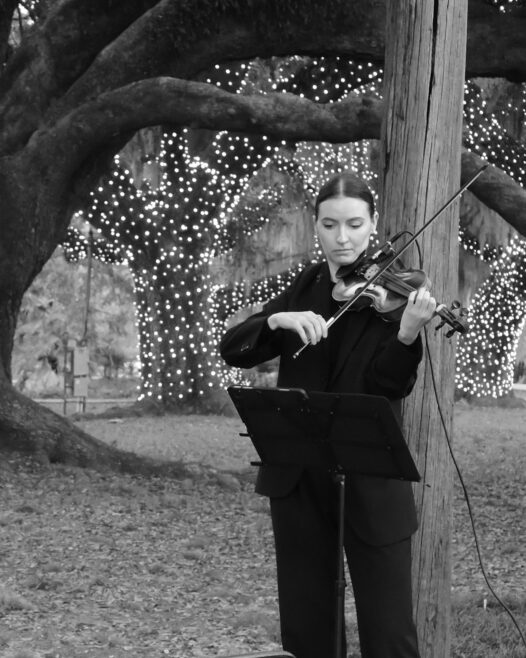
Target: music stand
point(339, 432)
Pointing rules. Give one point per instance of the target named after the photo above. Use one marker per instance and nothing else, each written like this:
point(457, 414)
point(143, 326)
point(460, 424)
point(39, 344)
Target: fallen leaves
point(100, 565)
point(125, 557)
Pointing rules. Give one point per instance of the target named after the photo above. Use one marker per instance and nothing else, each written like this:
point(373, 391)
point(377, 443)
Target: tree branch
point(7, 9)
point(156, 44)
point(85, 49)
point(496, 190)
point(198, 105)
point(55, 53)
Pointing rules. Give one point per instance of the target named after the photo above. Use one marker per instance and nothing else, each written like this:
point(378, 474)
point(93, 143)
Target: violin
point(401, 282)
point(389, 292)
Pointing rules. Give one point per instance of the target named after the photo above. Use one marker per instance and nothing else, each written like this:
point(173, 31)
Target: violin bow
point(370, 282)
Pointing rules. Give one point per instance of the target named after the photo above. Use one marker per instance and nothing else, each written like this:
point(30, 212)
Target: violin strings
point(403, 288)
point(398, 285)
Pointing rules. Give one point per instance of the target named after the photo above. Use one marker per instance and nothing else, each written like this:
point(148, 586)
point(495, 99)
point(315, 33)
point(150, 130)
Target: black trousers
point(305, 533)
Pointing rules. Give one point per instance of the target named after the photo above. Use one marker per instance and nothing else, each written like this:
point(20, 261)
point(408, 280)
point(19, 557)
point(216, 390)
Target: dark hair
point(345, 184)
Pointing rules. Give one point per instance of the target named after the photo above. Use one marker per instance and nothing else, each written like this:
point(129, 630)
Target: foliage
point(54, 309)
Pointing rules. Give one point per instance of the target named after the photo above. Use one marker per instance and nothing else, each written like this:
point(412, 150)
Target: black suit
point(361, 355)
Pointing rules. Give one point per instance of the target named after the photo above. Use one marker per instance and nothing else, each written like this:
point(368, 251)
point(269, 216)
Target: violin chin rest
point(344, 271)
point(342, 292)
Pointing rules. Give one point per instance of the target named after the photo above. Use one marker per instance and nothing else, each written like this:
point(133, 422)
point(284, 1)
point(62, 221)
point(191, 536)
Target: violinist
point(360, 353)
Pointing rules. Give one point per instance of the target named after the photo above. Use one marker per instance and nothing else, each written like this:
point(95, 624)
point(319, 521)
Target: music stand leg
point(340, 577)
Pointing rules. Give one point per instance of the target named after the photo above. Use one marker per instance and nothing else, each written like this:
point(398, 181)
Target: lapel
point(319, 300)
point(312, 367)
point(313, 364)
point(356, 323)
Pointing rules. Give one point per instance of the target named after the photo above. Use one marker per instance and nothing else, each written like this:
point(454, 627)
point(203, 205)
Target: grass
point(486, 631)
point(490, 447)
point(98, 565)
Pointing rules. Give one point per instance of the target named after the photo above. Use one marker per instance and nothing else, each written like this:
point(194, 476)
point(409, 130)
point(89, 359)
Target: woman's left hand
point(419, 310)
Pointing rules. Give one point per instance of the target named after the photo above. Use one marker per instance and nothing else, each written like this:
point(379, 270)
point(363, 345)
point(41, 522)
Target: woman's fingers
point(299, 329)
point(312, 327)
point(422, 304)
point(319, 325)
point(309, 326)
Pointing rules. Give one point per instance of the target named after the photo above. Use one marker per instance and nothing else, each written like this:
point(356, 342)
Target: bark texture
point(420, 163)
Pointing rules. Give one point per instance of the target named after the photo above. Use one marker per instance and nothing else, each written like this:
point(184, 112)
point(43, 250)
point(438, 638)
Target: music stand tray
point(355, 433)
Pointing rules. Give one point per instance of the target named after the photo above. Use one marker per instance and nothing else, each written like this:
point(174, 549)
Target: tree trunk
point(22, 252)
point(421, 137)
point(169, 231)
point(486, 357)
point(26, 426)
point(178, 364)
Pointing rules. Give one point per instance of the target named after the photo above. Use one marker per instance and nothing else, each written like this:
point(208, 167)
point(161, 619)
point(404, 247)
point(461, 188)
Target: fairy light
point(484, 135)
point(486, 356)
point(506, 5)
point(170, 233)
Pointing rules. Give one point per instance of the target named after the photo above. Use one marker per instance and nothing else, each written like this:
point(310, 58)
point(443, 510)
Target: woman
point(361, 353)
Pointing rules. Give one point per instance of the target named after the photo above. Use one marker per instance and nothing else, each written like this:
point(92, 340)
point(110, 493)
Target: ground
point(100, 565)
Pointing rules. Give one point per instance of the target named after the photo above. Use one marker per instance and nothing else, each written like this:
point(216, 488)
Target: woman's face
point(344, 226)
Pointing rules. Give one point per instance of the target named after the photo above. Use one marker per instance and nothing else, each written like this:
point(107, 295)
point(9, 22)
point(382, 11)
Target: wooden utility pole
point(420, 168)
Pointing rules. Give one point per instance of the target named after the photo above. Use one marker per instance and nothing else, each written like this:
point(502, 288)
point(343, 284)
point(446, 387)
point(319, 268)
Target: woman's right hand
point(309, 326)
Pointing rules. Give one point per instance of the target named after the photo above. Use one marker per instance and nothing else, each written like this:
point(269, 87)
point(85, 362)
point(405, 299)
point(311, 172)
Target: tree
point(172, 238)
point(84, 76)
point(89, 74)
point(487, 360)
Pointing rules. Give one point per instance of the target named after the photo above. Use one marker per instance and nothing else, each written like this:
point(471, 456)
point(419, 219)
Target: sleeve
point(394, 367)
point(252, 342)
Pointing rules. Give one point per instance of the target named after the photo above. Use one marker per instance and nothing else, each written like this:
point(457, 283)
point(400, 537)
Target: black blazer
point(371, 360)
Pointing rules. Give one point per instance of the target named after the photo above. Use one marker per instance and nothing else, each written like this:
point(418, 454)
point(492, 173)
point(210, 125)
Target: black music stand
point(338, 432)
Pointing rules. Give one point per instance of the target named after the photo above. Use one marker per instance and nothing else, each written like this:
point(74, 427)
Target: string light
point(203, 201)
point(506, 5)
point(486, 356)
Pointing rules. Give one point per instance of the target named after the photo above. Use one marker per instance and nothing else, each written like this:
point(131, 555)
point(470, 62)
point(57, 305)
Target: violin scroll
point(454, 317)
